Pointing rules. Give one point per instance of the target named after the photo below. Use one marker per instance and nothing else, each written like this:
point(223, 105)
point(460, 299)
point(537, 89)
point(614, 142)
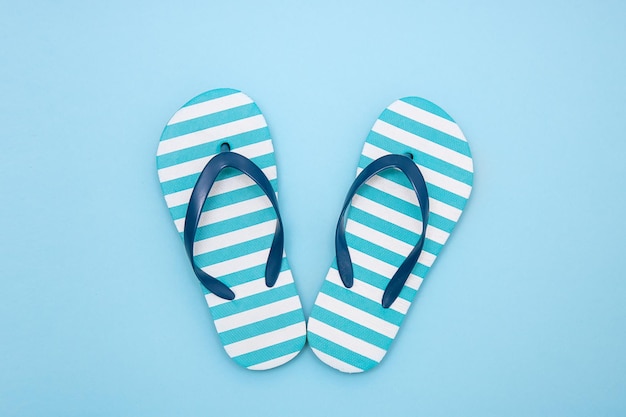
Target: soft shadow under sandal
point(414, 178)
point(218, 174)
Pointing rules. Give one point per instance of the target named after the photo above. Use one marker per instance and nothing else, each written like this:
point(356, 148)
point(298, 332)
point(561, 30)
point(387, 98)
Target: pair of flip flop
point(218, 174)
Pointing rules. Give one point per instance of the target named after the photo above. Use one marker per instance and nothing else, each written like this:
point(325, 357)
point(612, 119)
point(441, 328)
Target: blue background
point(523, 315)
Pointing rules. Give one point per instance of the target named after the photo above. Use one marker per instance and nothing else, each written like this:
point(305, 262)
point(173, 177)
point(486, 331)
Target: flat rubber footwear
point(218, 144)
point(382, 252)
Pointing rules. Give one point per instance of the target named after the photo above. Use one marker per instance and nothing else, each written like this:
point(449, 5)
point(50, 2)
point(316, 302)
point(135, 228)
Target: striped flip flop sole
point(348, 328)
point(262, 327)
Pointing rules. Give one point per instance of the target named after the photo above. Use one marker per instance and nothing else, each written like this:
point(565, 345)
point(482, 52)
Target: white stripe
point(210, 107)
point(447, 183)
point(219, 187)
point(378, 238)
point(336, 363)
point(228, 212)
point(399, 219)
point(211, 134)
point(368, 291)
point(273, 363)
point(413, 281)
point(250, 288)
point(265, 340)
point(346, 340)
point(235, 237)
point(407, 194)
point(196, 166)
point(387, 242)
point(257, 314)
point(381, 268)
point(423, 145)
point(237, 264)
point(426, 118)
point(356, 315)
point(430, 177)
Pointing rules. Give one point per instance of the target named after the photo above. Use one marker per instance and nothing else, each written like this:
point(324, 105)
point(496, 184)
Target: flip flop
point(217, 170)
point(414, 178)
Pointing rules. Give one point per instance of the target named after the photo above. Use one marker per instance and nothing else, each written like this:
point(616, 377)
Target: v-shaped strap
point(228, 159)
point(344, 262)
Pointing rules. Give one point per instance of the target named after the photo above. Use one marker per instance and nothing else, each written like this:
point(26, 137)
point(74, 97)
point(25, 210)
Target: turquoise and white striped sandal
point(217, 170)
point(413, 181)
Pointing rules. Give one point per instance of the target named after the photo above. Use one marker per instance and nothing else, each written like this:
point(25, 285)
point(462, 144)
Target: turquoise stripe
point(390, 201)
point(428, 106)
point(446, 196)
point(247, 275)
point(189, 181)
point(384, 254)
point(254, 301)
point(222, 200)
point(440, 222)
point(381, 253)
point(404, 207)
point(379, 281)
point(375, 308)
point(350, 327)
point(427, 132)
point(420, 270)
point(387, 228)
point(378, 252)
point(340, 352)
point(260, 327)
point(235, 223)
point(211, 148)
point(424, 159)
point(234, 251)
point(210, 95)
point(271, 352)
point(210, 120)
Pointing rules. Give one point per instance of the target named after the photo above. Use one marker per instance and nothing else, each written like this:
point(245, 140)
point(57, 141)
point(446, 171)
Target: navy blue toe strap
point(344, 262)
point(227, 159)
